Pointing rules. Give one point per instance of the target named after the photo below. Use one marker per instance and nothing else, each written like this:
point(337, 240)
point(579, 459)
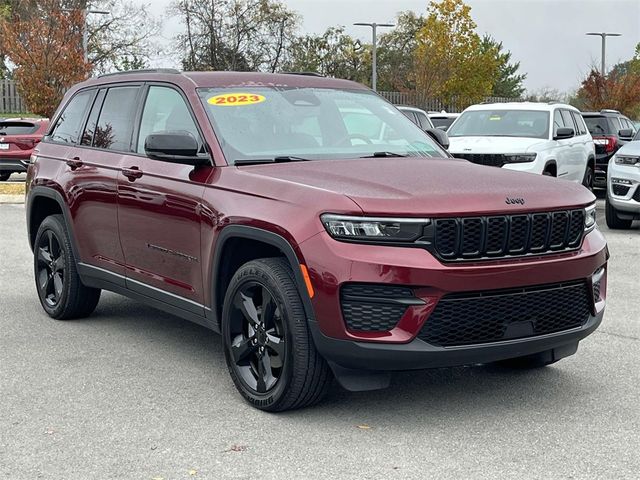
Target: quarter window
point(68, 126)
point(165, 111)
point(115, 125)
point(92, 122)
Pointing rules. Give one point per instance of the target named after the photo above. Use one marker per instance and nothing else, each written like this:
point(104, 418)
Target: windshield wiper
point(280, 159)
point(384, 154)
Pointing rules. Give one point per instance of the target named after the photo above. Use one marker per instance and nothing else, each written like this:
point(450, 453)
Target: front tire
point(613, 220)
point(5, 176)
point(587, 181)
point(61, 293)
point(269, 351)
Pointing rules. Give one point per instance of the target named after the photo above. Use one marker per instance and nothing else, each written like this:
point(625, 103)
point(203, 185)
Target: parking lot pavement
point(134, 393)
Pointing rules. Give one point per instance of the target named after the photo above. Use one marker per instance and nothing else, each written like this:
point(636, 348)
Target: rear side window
point(582, 129)
point(69, 125)
point(17, 128)
point(115, 124)
point(409, 114)
point(92, 122)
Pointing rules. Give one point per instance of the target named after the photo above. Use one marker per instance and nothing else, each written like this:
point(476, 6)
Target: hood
point(423, 186)
point(630, 148)
point(492, 144)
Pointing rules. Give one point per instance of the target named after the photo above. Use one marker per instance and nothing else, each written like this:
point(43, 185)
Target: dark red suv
point(18, 137)
point(313, 225)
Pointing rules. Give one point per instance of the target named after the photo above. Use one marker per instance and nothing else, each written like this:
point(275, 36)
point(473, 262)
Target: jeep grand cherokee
point(313, 225)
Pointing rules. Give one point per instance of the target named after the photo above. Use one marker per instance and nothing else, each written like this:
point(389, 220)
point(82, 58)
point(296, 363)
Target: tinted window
point(502, 123)
point(90, 129)
point(423, 120)
point(597, 125)
point(69, 124)
point(165, 111)
point(568, 120)
point(115, 124)
point(442, 121)
point(17, 128)
point(615, 121)
point(577, 118)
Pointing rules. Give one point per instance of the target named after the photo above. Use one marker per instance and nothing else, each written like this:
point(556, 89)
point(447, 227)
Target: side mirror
point(439, 136)
point(626, 134)
point(174, 147)
point(563, 133)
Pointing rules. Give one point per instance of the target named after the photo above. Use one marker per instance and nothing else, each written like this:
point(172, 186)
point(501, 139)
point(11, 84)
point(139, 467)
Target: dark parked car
point(311, 224)
point(18, 136)
point(443, 120)
point(610, 130)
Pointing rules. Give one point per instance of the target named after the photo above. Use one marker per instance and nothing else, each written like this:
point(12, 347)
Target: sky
point(547, 37)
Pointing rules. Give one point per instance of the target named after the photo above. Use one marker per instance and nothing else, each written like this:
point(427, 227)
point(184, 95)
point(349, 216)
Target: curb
point(11, 199)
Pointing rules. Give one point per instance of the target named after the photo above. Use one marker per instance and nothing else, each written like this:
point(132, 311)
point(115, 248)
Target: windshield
point(501, 123)
point(311, 123)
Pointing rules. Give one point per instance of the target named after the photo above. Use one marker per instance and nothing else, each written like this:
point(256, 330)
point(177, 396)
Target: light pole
point(85, 28)
point(604, 36)
point(374, 27)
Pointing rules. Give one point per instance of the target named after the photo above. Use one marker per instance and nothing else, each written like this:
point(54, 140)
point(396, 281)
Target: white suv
point(623, 185)
point(548, 139)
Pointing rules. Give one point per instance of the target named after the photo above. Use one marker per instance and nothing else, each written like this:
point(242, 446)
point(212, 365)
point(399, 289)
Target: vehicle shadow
point(416, 396)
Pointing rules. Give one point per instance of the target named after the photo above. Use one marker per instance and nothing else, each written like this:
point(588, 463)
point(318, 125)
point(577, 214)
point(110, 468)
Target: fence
point(453, 105)
point(10, 101)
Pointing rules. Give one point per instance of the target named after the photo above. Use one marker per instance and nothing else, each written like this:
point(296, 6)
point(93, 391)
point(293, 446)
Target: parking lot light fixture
point(604, 36)
point(85, 28)
point(374, 28)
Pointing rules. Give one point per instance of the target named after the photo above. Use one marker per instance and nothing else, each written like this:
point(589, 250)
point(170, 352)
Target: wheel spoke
point(265, 377)
point(247, 307)
point(50, 242)
point(58, 264)
point(57, 286)
point(268, 308)
point(242, 348)
point(43, 280)
point(276, 344)
point(43, 256)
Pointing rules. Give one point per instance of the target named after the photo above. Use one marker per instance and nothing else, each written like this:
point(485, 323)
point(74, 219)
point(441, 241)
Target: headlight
point(590, 217)
point(627, 160)
point(520, 157)
point(374, 229)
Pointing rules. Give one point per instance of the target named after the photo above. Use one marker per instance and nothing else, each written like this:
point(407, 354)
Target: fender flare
point(264, 236)
point(51, 193)
point(550, 161)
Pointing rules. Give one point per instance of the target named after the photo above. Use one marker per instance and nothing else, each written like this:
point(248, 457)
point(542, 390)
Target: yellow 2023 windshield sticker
point(235, 99)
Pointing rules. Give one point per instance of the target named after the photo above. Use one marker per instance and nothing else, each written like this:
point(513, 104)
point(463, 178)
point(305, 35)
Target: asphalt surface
point(133, 393)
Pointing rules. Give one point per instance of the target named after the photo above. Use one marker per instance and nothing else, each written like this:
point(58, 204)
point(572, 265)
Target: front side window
point(311, 123)
point(115, 123)
point(165, 111)
point(568, 121)
point(501, 123)
point(69, 124)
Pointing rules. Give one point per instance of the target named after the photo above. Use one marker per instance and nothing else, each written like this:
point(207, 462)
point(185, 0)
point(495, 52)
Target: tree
point(235, 34)
point(332, 54)
point(396, 53)
point(47, 54)
point(508, 83)
point(449, 60)
point(123, 39)
point(617, 91)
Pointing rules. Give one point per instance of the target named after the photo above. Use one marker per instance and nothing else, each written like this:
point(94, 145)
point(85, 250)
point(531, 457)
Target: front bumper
point(625, 197)
point(332, 264)
point(417, 354)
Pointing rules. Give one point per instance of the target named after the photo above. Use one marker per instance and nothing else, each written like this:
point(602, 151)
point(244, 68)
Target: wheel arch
point(551, 166)
point(231, 252)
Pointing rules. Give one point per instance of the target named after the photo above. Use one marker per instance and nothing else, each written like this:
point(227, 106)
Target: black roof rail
point(308, 74)
point(146, 70)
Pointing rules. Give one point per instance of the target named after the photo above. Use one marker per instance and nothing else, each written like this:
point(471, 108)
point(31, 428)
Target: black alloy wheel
point(50, 268)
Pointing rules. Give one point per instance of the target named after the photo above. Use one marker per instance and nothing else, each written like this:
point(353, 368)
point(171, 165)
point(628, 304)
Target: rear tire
point(61, 293)
point(613, 220)
point(5, 176)
point(269, 351)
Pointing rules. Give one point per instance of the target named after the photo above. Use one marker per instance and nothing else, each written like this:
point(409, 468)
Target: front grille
point(507, 235)
point(620, 190)
point(373, 307)
point(490, 159)
point(492, 316)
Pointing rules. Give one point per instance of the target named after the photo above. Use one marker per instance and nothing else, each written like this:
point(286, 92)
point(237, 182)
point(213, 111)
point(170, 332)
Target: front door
point(159, 209)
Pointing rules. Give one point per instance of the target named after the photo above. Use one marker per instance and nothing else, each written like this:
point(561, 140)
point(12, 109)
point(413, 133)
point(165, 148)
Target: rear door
point(160, 210)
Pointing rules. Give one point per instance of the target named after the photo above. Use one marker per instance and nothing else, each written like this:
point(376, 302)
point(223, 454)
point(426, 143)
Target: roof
point(545, 107)
point(226, 79)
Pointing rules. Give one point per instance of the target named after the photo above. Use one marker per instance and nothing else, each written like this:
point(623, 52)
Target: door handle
point(132, 173)
point(74, 162)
